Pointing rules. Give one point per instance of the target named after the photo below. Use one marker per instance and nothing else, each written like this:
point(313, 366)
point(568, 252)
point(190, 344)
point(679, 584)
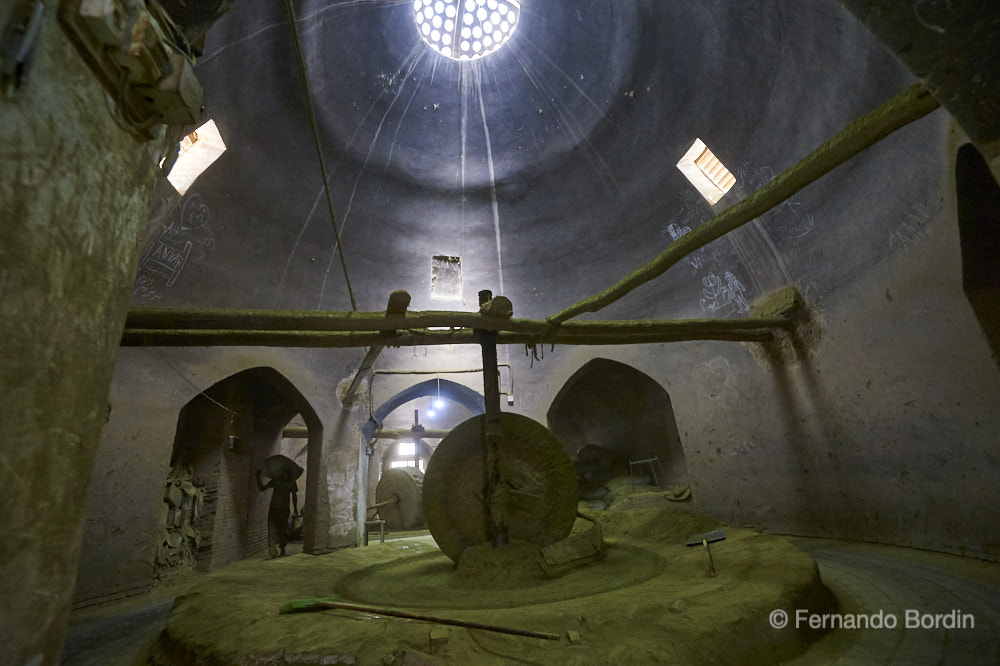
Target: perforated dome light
point(466, 29)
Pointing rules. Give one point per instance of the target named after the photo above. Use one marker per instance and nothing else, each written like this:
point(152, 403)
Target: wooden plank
point(310, 321)
point(754, 331)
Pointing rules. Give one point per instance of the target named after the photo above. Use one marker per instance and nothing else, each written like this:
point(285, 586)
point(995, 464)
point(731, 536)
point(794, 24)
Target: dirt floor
point(649, 599)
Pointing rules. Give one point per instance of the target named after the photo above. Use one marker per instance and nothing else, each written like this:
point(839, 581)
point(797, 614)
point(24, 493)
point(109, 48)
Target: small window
point(706, 172)
point(446, 278)
point(198, 150)
point(406, 449)
point(402, 463)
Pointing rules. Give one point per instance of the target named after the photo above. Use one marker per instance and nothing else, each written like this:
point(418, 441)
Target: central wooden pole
point(496, 495)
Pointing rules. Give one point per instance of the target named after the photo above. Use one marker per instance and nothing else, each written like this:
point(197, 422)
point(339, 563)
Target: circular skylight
point(466, 29)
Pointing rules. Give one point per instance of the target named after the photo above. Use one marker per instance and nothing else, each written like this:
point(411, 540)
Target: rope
point(293, 23)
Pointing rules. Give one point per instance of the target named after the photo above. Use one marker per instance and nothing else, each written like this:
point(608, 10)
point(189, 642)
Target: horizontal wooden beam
point(306, 320)
point(912, 104)
point(580, 333)
point(219, 319)
point(407, 433)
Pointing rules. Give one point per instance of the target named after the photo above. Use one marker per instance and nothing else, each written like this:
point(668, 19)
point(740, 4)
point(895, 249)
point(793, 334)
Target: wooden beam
point(581, 333)
point(398, 302)
point(406, 433)
point(150, 319)
point(912, 104)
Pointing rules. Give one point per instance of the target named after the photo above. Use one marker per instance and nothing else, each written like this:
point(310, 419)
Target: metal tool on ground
point(704, 540)
point(306, 605)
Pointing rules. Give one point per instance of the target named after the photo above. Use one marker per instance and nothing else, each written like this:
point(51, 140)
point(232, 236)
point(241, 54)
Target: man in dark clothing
point(277, 514)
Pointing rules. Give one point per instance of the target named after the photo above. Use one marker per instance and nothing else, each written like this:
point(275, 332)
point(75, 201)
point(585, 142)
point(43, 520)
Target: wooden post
point(398, 302)
point(496, 496)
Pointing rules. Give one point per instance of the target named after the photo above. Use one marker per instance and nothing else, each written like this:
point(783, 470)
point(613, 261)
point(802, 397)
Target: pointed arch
point(223, 434)
point(616, 407)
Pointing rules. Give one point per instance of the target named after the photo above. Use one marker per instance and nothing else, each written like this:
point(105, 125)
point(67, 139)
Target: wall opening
point(446, 278)
point(609, 413)
point(213, 513)
point(706, 172)
point(978, 198)
point(401, 411)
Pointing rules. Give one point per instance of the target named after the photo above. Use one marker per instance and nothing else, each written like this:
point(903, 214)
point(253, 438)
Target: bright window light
point(706, 172)
point(197, 152)
point(406, 448)
point(466, 29)
point(446, 277)
point(396, 464)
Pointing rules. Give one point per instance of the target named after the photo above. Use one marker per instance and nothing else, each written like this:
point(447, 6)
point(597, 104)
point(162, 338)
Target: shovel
point(704, 540)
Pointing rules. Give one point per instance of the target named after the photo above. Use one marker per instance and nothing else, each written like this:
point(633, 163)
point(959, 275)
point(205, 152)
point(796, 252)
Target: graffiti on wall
point(723, 296)
point(722, 293)
point(184, 235)
point(913, 227)
point(787, 219)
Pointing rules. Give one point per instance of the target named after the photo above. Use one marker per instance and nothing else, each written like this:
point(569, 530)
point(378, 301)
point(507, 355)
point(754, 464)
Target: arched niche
point(978, 199)
point(618, 408)
point(379, 449)
point(222, 436)
point(447, 389)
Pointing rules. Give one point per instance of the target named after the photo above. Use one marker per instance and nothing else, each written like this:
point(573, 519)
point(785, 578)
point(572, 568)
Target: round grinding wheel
point(407, 512)
point(542, 485)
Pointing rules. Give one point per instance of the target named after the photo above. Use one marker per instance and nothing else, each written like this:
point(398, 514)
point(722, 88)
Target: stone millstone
point(405, 483)
point(539, 472)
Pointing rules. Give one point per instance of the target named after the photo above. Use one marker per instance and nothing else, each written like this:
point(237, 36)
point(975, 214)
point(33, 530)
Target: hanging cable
point(293, 23)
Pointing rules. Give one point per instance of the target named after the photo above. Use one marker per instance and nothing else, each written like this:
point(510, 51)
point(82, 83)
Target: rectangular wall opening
point(709, 175)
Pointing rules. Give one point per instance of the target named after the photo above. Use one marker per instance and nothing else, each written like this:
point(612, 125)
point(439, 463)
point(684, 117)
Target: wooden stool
point(381, 527)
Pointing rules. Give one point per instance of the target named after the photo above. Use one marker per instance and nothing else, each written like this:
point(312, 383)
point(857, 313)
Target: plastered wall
point(68, 249)
point(149, 390)
point(884, 427)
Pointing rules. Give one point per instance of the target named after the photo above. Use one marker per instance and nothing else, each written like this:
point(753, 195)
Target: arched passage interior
point(623, 411)
point(216, 514)
point(382, 451)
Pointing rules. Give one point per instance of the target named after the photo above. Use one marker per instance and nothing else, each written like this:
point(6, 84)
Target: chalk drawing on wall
point(185, 234)
point(715, 381)
point(787, 218)
point(914, 227)
point(693, 211)
point(723, 296)
point(720, 296)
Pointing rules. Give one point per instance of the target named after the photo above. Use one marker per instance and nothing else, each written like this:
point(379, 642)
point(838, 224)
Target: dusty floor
point(649, 600)
point(865, 578)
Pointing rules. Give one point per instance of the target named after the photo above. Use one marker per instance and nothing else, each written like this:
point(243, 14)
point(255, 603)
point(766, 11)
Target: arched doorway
point(213, 512)
point(403, 409)
point(623, 411)
point(978, 198)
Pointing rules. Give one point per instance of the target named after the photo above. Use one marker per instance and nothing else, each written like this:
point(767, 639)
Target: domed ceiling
point(548, 166)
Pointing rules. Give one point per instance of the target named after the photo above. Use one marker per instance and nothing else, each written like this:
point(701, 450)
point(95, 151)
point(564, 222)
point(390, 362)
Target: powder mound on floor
point(516, 565)
point(651, 516)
